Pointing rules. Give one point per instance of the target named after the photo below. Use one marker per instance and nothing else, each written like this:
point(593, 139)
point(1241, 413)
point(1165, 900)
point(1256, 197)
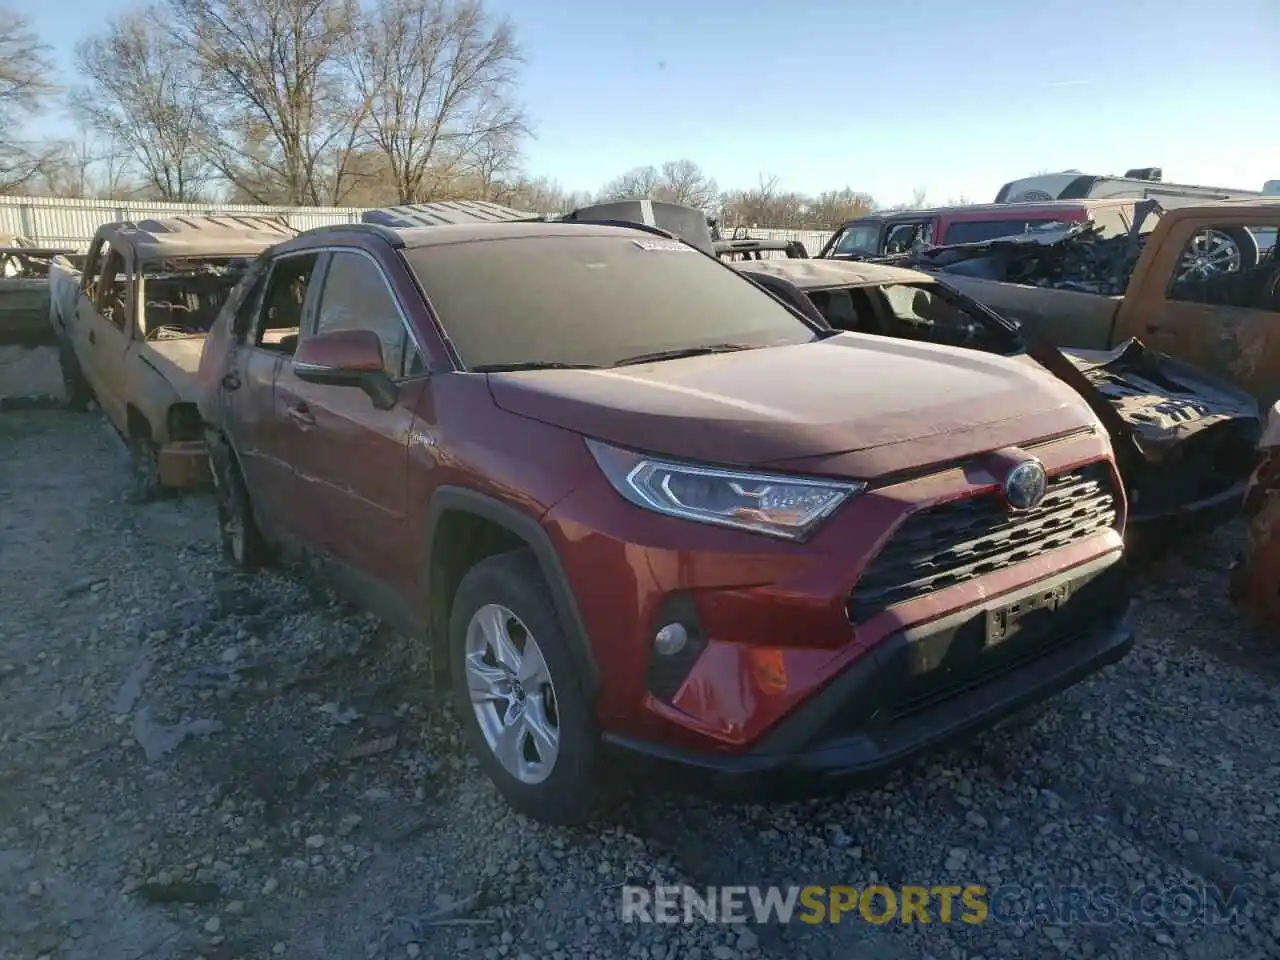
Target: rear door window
point(980, 231)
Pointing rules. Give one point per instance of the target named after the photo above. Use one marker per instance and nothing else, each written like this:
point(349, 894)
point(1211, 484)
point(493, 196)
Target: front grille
point(958, 541)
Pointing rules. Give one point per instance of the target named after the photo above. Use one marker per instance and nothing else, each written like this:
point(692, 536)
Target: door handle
point(231, 381)
point(92, 337)
point(301, 414)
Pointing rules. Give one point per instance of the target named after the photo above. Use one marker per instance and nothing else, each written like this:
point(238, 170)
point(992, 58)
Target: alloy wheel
point(512, 694)
point(1209, 253)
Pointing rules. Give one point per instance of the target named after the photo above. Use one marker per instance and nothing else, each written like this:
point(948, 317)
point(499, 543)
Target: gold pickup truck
point(131, 327)
point(1203, 286)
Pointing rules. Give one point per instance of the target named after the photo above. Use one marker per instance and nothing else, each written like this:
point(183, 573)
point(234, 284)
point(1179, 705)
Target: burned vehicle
point(1185, 440)
point(635, 506)
point(740, 245)
point(131, 327)
point(1200, 283)
point(1255, 580)
point(24, 290)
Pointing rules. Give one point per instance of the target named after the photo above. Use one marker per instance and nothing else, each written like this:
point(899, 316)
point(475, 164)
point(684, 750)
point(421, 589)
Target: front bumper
point(922, 687)
point(184, 464)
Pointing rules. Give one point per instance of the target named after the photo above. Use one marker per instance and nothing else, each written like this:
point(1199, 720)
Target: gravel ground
point(195, 764)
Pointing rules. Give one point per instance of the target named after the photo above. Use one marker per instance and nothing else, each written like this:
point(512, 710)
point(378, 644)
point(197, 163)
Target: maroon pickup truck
point(635, 503)
point(898, 231)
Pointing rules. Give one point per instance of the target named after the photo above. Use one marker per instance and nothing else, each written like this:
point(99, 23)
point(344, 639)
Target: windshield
point(593, 300)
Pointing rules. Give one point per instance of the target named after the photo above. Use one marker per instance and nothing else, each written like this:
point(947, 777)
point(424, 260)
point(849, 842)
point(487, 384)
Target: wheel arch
point(463, 527)
point(137, 423)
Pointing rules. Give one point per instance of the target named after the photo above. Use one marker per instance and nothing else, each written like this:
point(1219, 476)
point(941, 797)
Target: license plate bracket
point(1009, 620)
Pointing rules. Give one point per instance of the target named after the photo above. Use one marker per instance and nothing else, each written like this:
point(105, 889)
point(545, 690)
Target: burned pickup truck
point(1185, 441)
point(131, 327)
point(1199, 283)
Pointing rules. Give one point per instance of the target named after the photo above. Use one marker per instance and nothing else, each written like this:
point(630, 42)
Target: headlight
point(780, 506)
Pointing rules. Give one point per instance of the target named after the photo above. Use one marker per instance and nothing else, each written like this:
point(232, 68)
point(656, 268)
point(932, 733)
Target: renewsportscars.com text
point(971, 904)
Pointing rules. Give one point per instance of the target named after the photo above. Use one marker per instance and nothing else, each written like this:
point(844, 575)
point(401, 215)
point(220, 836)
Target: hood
point(1163, 400)
point(177, 360)
point(887, 405)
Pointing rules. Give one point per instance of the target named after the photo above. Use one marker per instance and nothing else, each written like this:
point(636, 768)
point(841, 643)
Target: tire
point(508, 589)
point(242, 542)
point(1244, 239)
point(144, 470)
point(75, 387)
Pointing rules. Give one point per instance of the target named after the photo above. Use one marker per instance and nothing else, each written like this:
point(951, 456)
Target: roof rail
point(629, 224)
point(389, 234)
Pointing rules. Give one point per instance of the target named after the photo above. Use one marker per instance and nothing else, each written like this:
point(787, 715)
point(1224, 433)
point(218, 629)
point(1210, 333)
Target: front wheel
point(524, 714)
point(144, 470)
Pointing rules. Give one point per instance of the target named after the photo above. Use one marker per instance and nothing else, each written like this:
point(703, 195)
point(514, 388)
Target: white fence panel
point(53, 221)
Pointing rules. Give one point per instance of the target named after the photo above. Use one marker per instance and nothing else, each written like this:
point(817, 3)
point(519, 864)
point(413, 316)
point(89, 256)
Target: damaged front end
point(1255, 580)
point(1185, 441)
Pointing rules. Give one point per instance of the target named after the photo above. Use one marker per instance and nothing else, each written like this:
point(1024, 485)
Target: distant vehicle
point(898, 231)
point(1141, 183)
point(24, 290)
point(635, 502)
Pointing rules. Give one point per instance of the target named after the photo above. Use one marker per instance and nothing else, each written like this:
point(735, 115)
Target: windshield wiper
point(681, 353)
point(531, 365)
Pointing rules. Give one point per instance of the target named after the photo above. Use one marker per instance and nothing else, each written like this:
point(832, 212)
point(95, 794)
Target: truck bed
point(1066, 318)
point(25, 298)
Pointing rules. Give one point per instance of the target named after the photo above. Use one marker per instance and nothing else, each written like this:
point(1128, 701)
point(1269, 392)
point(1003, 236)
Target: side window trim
point(247, 308)
point(411, 335)
point(315, 291)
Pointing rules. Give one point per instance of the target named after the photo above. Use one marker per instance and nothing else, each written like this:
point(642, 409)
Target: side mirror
point(346, 358)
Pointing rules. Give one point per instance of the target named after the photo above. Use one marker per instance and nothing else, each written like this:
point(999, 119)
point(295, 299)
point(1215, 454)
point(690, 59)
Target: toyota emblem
point(1025, 485)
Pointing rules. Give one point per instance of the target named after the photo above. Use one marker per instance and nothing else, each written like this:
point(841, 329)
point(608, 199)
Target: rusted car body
point(132, 325)
point(24, 290)
point(1255, 581)
point(1177, 298)
point(1185, 440)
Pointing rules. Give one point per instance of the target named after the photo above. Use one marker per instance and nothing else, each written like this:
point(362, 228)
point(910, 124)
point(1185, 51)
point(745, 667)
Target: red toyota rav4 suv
point(634, 501)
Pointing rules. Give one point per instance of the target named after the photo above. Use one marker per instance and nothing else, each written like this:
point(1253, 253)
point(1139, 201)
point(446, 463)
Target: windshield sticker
point(663, 246)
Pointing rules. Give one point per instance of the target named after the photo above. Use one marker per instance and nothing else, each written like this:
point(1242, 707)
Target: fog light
point(671, 639)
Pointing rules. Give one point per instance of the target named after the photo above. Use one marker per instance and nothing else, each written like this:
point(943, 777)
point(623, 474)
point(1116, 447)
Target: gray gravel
point(193, 764)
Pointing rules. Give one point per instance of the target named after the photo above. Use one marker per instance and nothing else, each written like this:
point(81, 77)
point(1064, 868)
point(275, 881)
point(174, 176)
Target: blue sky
point(950, 96)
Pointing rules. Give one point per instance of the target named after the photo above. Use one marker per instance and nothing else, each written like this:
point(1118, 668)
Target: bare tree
point(86, 165)
point(678, 181)
point(438, 78)
point(278, 121)
point(637, 182)
point(143, 93)
point(24, 88)
point(765, 205)
point(831, 208)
